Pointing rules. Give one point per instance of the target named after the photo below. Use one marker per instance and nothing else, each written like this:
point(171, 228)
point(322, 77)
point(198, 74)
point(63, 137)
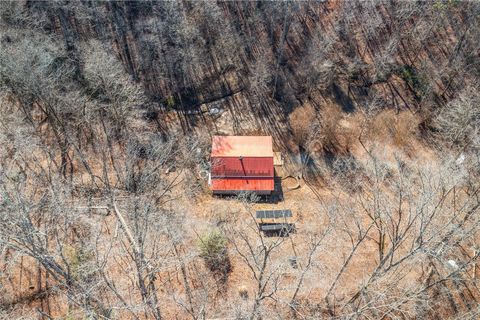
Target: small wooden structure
point(275, 221)
point(277, 159)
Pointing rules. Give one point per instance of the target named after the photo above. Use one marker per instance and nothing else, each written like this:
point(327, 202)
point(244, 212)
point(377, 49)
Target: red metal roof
point(242, 146)
point(239, 184)
point(244, 167)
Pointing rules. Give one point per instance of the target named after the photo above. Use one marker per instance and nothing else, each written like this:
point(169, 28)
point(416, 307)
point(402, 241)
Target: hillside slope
point(266, 59)
point(107, 109)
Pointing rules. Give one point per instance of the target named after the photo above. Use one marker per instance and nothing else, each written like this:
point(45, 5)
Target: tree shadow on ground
point(342, 99)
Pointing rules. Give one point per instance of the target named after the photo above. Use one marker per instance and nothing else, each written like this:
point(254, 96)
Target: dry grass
point(337, 131)
point(399, 130)
point(301, 121)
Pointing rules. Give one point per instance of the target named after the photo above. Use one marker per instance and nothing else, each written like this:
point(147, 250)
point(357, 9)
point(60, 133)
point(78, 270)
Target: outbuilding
point(242, 163)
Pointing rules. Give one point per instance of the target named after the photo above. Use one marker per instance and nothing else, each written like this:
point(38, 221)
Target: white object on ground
point(452, 264)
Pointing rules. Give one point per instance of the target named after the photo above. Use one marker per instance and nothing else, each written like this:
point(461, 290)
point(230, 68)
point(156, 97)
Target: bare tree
point(459, 120)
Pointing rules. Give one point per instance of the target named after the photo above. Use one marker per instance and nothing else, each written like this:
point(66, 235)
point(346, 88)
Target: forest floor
point(391, 138)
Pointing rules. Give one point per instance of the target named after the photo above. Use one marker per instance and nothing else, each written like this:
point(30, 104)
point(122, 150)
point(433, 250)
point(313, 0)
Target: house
point(242, 163)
